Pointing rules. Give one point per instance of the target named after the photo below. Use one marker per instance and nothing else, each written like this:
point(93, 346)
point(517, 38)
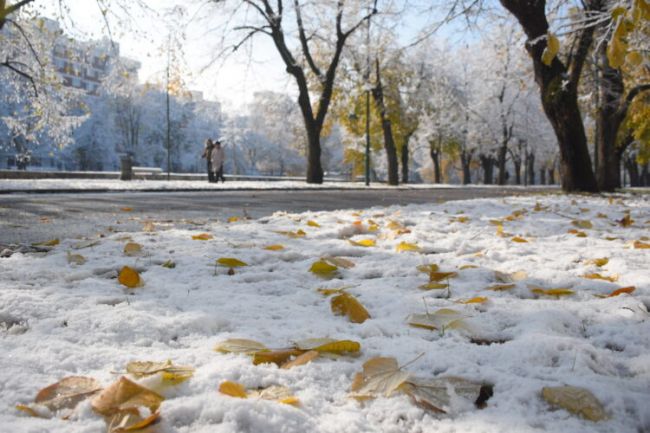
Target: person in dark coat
point(218, 158)
point(207, 154)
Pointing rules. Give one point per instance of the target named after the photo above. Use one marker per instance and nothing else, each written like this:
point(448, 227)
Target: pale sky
point(144, 37)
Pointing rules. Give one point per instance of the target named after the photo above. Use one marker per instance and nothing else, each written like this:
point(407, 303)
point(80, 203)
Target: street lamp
point(367, 80)
point(169, 165)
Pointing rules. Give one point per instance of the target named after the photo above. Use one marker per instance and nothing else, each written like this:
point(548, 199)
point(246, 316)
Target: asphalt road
point(27, 218)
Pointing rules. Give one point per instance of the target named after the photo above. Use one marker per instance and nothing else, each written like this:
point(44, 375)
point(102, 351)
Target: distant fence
point(21, 174)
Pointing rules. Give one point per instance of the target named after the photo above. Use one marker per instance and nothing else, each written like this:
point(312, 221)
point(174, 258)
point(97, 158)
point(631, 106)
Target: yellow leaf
point(202, 237)
point(551, 50)
point(132, 249)
point(280, 394)
point(129, 277)
point(578, 401)
point(169, 264)
point(617, 47)
point(346, 304)
point(364, 243)
point(329, 292)
point(432, 285)
point(551, 292)
point(626, 221)
point(641, 245)
point(291, 400)
point(297, 234)
point(439, 276)
point(230, 262)
point(405, 246)
point(501, 287)
point(233, 219)
point(339, 261)
point(239, 345)
point(460, 219)
point(303, 359)
point(519, 239)
point(126, 209)
point(578, 233)
point(323, 269)
point(462, 268)
point(475, 300)
point(275, 247)
point(583, 224)
point(172, 374)
point(124, 395)
point(329, 345)
point(428, 268)
point(233, 389)
point(597, 276)
point(277, 357)
point(600, 262)
point(50, 243)
point(312, 223)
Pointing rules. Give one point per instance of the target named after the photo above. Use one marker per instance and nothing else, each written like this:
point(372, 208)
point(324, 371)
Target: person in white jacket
point(218, 157)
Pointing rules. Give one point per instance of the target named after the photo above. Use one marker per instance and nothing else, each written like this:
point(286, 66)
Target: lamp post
point(367, 79)
point(169, 164)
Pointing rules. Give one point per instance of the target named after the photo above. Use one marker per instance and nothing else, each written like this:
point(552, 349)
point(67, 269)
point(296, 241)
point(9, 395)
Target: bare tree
point(302, 62)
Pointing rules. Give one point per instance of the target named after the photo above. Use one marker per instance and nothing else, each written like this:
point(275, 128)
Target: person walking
point(207, 154)
point(218, 158)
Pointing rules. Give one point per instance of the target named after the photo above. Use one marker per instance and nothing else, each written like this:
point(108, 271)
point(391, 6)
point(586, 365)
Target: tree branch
point(303, 40)
point(10, 65)
point(29, 43)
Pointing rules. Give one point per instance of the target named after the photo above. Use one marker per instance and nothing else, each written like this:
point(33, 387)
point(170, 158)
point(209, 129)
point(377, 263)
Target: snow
point(139, 185)
point(60, 319)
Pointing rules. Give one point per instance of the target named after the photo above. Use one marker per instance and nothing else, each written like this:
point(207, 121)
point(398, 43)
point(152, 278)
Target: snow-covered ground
point(136, 185)
point(60, 319)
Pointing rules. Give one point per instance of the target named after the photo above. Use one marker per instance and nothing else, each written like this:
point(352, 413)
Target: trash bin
point(126, 167)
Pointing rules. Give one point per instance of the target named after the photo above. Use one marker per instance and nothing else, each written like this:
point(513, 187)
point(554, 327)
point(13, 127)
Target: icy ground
point(60, 319)
point(139, 185)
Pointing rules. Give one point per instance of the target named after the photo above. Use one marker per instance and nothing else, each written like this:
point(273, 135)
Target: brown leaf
point(277, 357)
point(436, 394)
point(380, 376)
point(303, 359)
point(125, 395)
point(65, 394)
point(576, 400)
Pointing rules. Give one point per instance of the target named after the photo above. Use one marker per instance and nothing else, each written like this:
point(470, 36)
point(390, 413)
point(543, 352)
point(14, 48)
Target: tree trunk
point(530, 160)
point(542, 176)
point(435, 157)
point(465, 162)
point(387, 128)
point(517, 163)
point(551, 176)
point(645, 175)
point(501, 162)
point(632, 170)
point(487, 163)
point(405, 158)
point(559, 91)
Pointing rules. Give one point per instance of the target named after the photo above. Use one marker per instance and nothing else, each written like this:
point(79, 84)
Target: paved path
point(26, 218)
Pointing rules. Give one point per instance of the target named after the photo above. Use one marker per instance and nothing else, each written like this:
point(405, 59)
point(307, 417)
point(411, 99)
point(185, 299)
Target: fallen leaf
point(475, 300)
point(439, 276)
point(427, 269)
point(85, 244)
point(169, 264)
point(346, 304)
point(504, 277)
point(202, 237)
point(281, 394)
point(297, 234)
point(436, 394)
point(124, 395)
point(583, 224)
point(597, 276)
point(501, 287)
point(233, 389)
point(364, 243)
point(462, 268)
point(519, 239)
point(230, 262)
point(274, 247)
point(171, 373)
point(329, 345)
point(277, 357)
point(329, 292)
point(560, 291)
point(339, 261)
point(579, 401)
point(405, 246)
point(578, 233)
point(149, 227)
point(303, 359)
point(65, 394)
point(132, 249)
point(640, 245)
point(618, 292)
point(77, 259)
point(598, 262)
point(626, 221)
point(323, 269)
point(239, 345)
point(126, 209)
point(233, 219)
point(50, 243)
point(432, 285)
point(130, 278)
point(441, 320)
point(129, 421)
point(380, 376)
point(312, 223)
